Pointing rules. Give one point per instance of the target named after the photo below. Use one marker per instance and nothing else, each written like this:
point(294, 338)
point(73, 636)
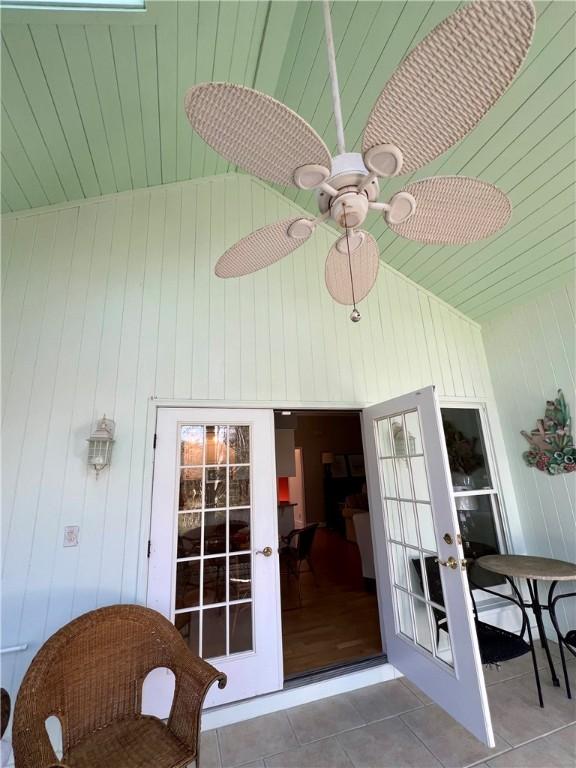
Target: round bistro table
point(533, 570)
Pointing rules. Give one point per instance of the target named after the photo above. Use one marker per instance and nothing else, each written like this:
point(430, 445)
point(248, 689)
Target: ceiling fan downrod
point(337, 106)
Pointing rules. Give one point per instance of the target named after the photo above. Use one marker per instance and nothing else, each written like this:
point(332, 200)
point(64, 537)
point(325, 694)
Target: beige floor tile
point(566, 739)
point(386, 744)
point(384, 700)
point(450, 742)
point(253, 739)
point(415, 690)
point(324, 718)
point(546, 752)
point(209, 754)
point(515, 709)
point(326, 753)
point(257, 764)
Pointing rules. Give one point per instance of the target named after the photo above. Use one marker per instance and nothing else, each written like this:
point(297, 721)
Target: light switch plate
point(71, 535)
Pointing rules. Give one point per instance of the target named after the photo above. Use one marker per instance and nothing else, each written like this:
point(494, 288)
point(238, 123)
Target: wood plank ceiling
point(92, 104)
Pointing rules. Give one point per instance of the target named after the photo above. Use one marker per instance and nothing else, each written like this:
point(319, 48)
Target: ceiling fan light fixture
point(349, 210)
point(384, 159)
point(310, 176)
point(402, 207)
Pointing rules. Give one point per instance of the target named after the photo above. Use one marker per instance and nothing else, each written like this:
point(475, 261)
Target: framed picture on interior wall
point(356, 464)
point(339, 466)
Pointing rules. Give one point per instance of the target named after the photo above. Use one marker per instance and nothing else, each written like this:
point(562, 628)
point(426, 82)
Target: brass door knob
point(267, 551)
point(453, 563)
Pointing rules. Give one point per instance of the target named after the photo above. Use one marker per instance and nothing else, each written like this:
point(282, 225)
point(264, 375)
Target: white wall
point(112, 302)
point(531, 354)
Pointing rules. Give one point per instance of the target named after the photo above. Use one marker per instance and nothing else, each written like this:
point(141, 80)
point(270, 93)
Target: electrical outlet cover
point(71, 535)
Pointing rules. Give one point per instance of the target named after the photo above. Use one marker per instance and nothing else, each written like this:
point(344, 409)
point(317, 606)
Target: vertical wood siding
point(531, 353)
point(114, 301)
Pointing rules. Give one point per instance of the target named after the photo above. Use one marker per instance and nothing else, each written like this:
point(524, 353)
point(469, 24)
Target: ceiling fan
point(437, 95)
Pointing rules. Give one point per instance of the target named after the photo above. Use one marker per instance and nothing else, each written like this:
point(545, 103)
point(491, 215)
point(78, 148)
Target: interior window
point(475, 496)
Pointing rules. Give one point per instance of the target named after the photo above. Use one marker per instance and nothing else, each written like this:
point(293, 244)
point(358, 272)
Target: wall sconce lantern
point(100, 444)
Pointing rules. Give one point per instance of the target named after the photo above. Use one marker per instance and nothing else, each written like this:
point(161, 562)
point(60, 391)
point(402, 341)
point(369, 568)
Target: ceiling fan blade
point(363, 264)
point(450, 80)
point(454, 210)
point(263, 247)
point(255, 131)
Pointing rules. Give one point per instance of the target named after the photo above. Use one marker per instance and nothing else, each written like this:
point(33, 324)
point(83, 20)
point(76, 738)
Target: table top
point(529, 567)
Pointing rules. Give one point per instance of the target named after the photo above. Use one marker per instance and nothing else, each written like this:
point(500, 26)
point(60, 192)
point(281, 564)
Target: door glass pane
point(188, 626)
point(385, 443)
point(412, 427)
point(190, 489)
point(239, 486)
point(426, 526)
point(214, 632)
point(187, 584)
point(214, 531)
point(239, 445)
point(400, 576)
point(191, 445)
point(393, 516)
point(214, 523)
point(403, 478)
point(241, 627)
point(424, 636)
point(419, 478)
point(444, 646)
point(403, 606)
point(409, 523)
point(240, 577)
point(239, 530)
point(189, 533)
point(398, 436)
point(216, 445)
point(215, 487)
point(388, 478)
point(214, 580)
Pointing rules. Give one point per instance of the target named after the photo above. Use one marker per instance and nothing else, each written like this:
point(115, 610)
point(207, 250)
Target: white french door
point(213, 567)
point(425, 605)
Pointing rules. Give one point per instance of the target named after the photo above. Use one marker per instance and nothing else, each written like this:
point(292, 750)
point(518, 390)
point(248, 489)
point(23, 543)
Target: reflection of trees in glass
point(239, 444)
point(192, 445)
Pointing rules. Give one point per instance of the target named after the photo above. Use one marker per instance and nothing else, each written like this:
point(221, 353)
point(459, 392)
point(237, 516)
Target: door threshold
point(333, 670)
point(342, 681)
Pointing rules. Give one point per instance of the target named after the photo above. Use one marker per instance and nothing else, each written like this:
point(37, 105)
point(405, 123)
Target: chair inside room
point(90, 676)
point(295, 551)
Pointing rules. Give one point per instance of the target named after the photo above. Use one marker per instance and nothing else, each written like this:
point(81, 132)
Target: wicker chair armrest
point(194, 677)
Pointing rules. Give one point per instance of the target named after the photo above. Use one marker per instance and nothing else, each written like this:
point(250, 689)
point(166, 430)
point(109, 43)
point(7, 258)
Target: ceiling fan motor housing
point(348, 173)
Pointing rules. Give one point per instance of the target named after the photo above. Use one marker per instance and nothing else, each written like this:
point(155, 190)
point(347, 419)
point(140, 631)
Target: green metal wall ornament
point(552, 449)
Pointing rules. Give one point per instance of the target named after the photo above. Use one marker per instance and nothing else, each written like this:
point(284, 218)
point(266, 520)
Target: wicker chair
point(90, 675)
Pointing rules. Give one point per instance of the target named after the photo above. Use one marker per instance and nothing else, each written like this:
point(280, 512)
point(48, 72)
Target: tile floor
point(394, 725)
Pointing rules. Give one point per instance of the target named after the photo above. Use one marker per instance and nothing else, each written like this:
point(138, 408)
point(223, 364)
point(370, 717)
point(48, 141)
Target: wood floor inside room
point(338, 619)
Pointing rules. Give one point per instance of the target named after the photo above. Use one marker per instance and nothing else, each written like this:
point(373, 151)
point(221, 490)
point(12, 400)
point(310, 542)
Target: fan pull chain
point(355, 315)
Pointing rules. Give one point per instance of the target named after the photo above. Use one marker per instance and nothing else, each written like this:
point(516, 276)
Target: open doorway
point(328, 591)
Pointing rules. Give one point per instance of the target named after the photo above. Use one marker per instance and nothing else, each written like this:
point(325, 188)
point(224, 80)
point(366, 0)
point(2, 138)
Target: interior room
point(326, 555)
point(288, 384)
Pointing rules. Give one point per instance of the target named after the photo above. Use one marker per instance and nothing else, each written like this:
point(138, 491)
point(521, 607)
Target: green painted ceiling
point(92, 104)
